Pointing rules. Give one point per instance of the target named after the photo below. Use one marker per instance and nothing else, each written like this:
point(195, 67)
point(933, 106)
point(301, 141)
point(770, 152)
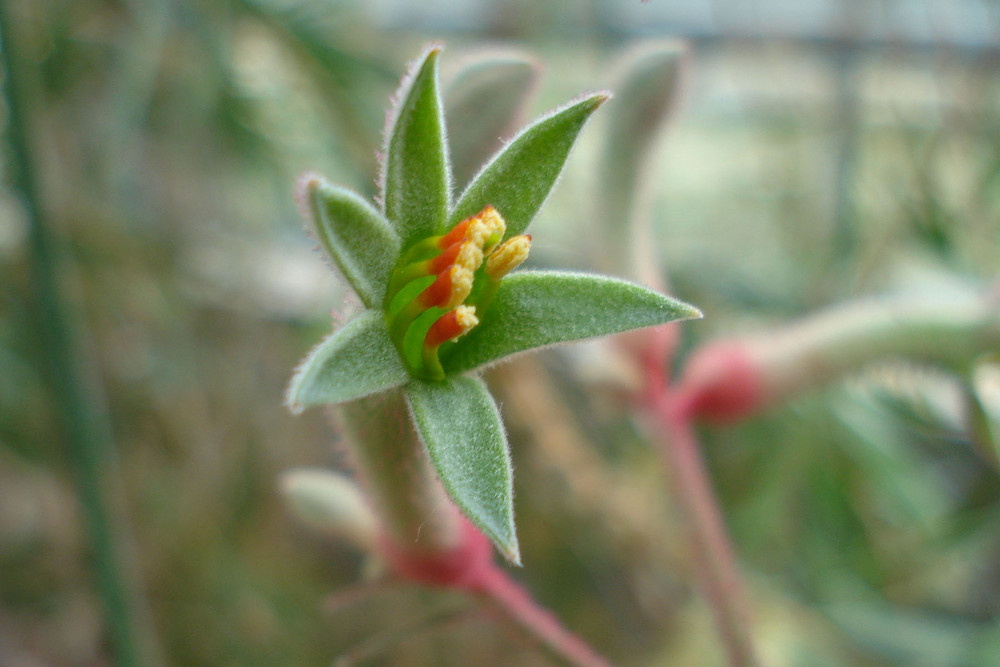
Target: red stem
point(506, 596)
point(469, 567)
point(670, 414)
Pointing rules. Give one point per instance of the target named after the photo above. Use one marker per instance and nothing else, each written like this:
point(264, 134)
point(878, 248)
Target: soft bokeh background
point(823, 150)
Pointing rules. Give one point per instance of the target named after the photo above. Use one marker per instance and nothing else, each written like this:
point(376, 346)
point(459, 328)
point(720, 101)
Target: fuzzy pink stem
point(670, 415)
point(507, 597)
point(469, 567)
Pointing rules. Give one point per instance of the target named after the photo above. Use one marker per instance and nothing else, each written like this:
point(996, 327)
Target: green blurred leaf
point(537, 308)
point(519, 178)
point(356, 361)
point(980, 425)
point(356, 237)
point(906, 487)
point(460, 424)
point(905, 637)
point(484, 101)
point(330, 504)
point(645, 98)
point(415, 178)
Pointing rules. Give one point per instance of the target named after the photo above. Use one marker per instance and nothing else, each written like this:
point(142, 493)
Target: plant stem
point(414, 511)
point(75, 392)
point(714, 563)
point(426, 539)
point(514, 603)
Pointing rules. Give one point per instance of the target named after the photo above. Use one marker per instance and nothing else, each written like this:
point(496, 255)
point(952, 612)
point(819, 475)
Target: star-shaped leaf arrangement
point(438, 303)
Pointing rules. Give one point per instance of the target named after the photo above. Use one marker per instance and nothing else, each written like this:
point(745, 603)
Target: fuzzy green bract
point(456, 417)
point(356, 361)
point(535, 309)
point(357, 238)
point(460, 424)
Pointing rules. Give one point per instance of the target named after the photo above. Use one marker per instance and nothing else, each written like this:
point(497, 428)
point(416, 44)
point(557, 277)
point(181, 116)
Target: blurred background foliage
point(822, 151)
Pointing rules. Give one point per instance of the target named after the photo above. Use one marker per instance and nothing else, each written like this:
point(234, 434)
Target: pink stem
point(715, 565)
point(505, 595)
point(469, 567)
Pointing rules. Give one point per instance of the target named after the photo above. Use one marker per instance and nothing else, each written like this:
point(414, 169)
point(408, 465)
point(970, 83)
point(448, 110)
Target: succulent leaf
point(357, 238)
point(460, 424)
point(416, 178)
point(519, 178)
point(538, 308)
point(355, 361)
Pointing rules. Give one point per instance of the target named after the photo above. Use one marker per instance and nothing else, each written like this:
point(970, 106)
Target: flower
point(434, 291)
point(439, 305)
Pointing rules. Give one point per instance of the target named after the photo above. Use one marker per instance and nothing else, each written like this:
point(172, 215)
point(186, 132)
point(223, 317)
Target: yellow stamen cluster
point(465, 263)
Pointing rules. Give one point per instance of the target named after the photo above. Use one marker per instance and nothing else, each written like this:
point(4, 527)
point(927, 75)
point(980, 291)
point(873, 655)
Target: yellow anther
point(462, 279)
point(450, 288)
point(465, 317)
point(486, 229)
point(508, 256)
point(470, 256)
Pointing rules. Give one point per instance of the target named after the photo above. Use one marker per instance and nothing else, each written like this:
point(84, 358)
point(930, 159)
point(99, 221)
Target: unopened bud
point(330, 504)
point(451, 325)
point(450, 288)
point(508, 257)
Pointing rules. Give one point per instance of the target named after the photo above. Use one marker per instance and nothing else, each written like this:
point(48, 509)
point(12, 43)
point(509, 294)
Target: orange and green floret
point(441, 282)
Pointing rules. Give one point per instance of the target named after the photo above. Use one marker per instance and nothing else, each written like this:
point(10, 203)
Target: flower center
point(442, 284)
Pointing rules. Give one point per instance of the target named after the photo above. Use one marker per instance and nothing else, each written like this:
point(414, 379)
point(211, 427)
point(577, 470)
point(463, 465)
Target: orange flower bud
point(449, 289)
point(451, 325)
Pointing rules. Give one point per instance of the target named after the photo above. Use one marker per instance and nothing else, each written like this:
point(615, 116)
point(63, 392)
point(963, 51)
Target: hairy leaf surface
point(355, 361)
point(460, 424)
point(538, 308)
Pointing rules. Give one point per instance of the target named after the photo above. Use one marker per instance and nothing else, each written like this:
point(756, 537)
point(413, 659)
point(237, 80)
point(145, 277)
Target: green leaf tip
point(518, 179)
point(460, 424)
point(415, 179)
point(356, 237)
point(355, 361)
point(535, 309)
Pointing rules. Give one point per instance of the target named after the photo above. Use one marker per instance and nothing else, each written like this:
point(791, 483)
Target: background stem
point(75, 392)
point(412, 506)
point(715, 566)
point(536, 622)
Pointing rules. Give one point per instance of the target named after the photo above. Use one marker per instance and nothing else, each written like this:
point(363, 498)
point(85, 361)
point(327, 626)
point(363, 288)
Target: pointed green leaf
point(483, 103)
point(415, 177)
point(356, 361)
point(537, 308)
point(355, 236)
point(460, 424)
point(517, 181)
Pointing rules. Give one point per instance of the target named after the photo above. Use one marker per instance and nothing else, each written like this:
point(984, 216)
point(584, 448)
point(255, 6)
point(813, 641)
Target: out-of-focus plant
point(438, 306)
point(732, 380)
point(137, 125)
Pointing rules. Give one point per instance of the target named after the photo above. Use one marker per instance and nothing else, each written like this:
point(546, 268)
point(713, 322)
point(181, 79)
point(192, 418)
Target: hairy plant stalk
point(715, 566)
point(76, 393)
point(425, 539)
point(415, 514)
point(515, 606)
point(729, 380)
